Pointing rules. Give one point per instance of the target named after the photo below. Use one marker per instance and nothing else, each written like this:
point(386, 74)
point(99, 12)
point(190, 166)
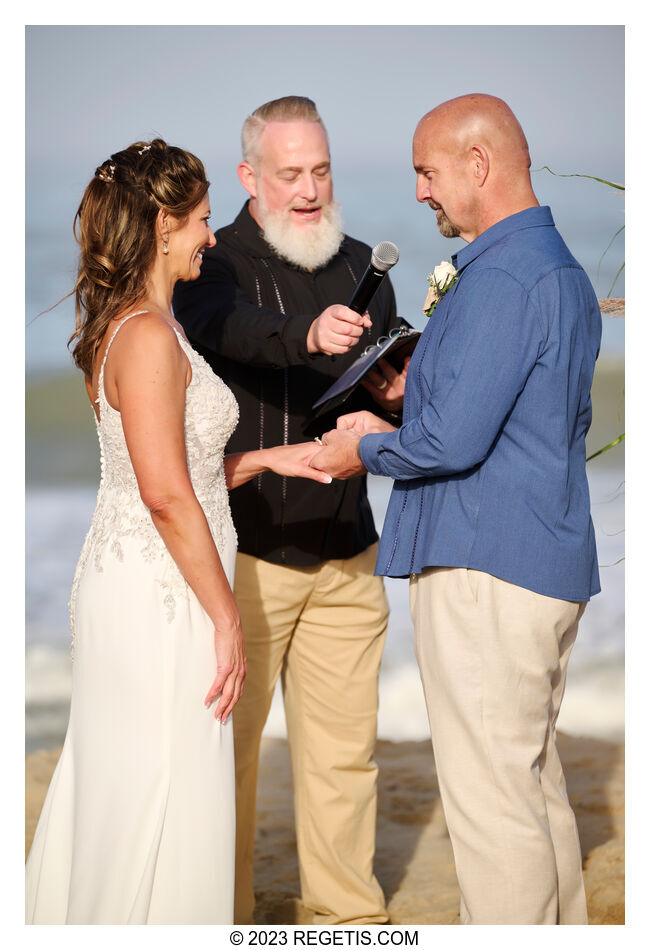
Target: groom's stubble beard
point(446, 227)
point(308, 246)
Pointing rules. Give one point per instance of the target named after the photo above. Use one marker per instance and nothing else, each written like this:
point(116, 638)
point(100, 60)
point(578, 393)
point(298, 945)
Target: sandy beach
point(414, 861)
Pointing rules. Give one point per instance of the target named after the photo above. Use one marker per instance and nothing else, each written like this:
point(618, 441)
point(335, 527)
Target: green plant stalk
point(622, 228)
point(603, 181)
point(618, 273)
point(611, 445)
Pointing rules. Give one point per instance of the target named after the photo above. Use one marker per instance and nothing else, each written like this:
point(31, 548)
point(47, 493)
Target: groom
point(489, 513)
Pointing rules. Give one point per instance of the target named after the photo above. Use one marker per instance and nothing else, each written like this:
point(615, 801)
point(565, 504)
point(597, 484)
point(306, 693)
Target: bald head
point(477, 139)
point(460, 123)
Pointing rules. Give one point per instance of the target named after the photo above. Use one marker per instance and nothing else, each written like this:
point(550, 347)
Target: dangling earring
point(165, 248)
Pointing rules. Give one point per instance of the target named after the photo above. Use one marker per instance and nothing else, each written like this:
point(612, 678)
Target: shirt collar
point(536, 217)
point(251, 234)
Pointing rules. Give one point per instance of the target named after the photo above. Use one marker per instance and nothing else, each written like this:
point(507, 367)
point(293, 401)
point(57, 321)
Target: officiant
point(268, 314)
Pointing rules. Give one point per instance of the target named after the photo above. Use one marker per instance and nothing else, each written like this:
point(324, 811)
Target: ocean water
point(58, 518)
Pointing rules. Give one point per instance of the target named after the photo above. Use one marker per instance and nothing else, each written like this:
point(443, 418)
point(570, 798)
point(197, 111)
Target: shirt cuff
point(295, 337)
point(369, 448)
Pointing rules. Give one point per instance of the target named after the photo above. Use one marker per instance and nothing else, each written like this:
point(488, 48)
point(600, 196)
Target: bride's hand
point(231, 669)
point(294, 460)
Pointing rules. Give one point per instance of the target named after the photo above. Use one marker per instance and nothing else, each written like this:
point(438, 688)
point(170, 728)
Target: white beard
point(308, 246)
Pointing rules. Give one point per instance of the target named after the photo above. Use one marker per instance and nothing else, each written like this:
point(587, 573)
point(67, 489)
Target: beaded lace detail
point(211, 414)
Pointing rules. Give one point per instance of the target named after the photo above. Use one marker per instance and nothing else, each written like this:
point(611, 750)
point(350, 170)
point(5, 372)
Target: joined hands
point(339, 456)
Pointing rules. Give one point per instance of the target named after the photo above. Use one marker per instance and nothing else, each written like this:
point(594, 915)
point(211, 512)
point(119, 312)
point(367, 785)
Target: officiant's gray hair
point(286, 109)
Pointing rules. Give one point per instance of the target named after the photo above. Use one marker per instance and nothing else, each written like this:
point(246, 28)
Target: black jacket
point(248, 314)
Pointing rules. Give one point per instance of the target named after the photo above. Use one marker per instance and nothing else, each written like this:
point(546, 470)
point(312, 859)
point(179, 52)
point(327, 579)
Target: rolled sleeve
point(369, 452)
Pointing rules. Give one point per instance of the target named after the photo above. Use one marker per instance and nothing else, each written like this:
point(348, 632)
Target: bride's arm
point(291, 460)
point(148, 373)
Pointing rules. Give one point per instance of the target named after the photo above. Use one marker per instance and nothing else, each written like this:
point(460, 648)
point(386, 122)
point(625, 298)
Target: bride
point(139, 821)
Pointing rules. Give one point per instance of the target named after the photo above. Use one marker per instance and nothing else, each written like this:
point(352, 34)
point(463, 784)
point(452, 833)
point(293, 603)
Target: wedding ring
point(383, 385)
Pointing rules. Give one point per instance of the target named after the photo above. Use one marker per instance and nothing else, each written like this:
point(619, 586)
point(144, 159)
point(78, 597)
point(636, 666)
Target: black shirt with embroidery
point(248, 314)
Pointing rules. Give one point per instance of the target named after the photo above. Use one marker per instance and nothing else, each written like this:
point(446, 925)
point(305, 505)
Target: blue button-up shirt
point(489, 464)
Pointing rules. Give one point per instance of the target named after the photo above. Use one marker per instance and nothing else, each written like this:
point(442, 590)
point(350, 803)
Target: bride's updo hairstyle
point(115, 227)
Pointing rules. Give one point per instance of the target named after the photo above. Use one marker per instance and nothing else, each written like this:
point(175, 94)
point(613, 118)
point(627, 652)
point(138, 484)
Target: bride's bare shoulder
point(141, 322)
point(146, 343)
point(147, 330)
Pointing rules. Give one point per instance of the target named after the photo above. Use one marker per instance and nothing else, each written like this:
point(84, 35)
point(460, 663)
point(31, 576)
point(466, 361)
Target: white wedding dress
point(139, 821)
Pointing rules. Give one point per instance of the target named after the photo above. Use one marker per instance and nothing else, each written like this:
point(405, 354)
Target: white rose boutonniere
point(442, 278)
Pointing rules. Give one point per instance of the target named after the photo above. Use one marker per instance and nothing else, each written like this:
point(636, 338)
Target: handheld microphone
point(384, 255)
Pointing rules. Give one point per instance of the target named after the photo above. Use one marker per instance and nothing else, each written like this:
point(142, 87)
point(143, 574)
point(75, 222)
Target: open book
point(394, 348)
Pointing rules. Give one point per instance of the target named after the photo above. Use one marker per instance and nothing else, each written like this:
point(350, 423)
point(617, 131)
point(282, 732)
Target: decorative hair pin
point(145, 148)
point(107, 177)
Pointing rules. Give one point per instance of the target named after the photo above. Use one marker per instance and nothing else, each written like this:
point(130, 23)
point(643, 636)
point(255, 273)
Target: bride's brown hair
point(115, 228)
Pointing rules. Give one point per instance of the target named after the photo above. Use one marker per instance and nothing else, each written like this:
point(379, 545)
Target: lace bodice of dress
point(211, 414)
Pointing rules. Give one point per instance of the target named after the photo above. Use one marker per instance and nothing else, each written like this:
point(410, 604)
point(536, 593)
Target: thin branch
point(606, 447)
point(622, 228)
point(618, 274)
point(603, 181)
point(603, 566)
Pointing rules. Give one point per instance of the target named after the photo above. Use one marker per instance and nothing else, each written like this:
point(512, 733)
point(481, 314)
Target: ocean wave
point(58, 518)
point(48, 686)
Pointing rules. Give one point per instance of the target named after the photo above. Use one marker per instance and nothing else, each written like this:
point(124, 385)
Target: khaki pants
point(493, 661)
point(323, 628)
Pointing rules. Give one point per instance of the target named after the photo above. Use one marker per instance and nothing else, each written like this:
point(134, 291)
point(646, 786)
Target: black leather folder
point(394, 348)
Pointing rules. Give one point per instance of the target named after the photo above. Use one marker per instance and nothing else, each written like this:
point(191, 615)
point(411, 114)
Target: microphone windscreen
point(384, 255)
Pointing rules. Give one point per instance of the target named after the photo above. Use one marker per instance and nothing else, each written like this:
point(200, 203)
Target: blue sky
point(91, 90)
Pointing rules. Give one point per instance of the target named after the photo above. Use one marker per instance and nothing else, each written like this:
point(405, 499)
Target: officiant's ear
point(248, 178)
point(480, 164)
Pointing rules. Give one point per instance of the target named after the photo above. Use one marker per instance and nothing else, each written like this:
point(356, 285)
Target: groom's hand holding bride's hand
point(339, 456)
point(340, 453)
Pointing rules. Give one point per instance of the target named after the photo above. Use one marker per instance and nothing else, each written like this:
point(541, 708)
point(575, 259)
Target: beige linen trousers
point(323, 629)
point(493, 659)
